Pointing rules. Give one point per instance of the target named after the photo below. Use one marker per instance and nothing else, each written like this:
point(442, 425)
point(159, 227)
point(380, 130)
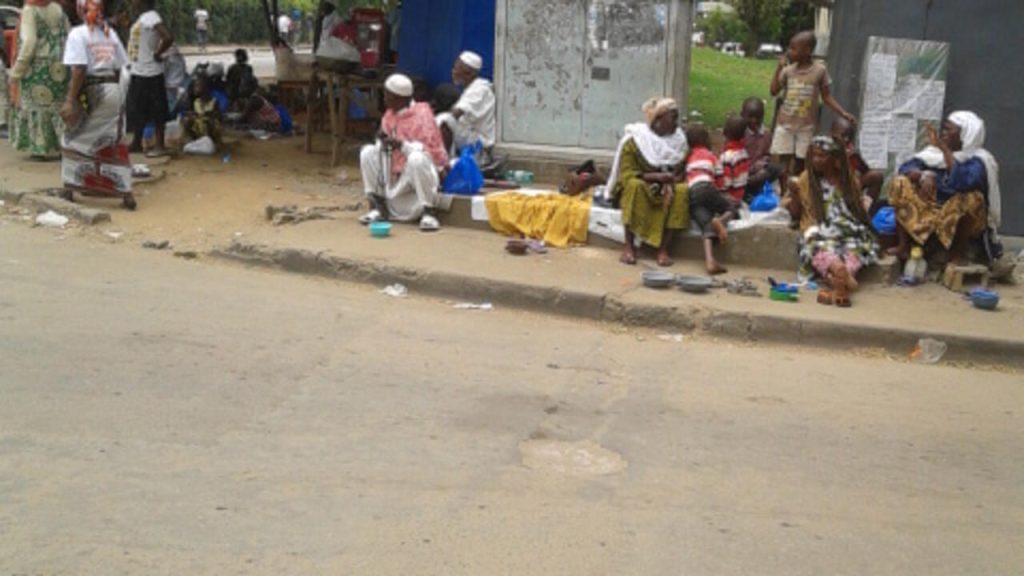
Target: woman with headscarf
point(649, 181)
point(835, 235)
point(95, 162)
point(949, 190)
point(39, 79)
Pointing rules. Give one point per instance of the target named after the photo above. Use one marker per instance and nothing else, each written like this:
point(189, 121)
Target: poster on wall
point(903, 89)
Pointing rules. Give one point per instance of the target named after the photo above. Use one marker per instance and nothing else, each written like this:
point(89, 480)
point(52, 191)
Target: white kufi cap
point(399, 85)
point(472, 59)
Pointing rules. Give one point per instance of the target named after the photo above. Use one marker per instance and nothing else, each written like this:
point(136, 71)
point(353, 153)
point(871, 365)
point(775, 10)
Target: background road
point(161, 416)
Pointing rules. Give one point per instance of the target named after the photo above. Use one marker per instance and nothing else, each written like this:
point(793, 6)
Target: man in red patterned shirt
point(402, 170)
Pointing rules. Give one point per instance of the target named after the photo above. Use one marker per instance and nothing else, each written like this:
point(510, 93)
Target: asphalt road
point(162, 416)
point(261, 60)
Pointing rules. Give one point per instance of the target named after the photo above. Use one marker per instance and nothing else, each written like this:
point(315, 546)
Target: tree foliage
point(722, 26)
point(763, 19)
point(231, 21)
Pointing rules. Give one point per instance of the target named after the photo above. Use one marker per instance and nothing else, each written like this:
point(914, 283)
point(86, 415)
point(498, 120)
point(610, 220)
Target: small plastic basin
point(380, 229)
point(985, 299)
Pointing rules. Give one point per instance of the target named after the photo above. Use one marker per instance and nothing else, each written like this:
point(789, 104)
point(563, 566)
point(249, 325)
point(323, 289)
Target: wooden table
point(341, 84)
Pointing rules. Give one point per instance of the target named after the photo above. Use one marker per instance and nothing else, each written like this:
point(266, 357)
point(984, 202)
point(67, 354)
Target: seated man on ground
point(648, 180)
point(710, 207)
point(475, 110)
point(949, 190)
point(402, 170)
point(870, 180)
point(758, 142)
point(836, 239)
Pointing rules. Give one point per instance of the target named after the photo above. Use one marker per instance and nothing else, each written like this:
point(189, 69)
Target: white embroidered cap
point(472, 59)
point(399, 85)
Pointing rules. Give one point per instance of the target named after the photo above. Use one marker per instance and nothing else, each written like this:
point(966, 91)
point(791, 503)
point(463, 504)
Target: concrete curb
point(42, 202)
point(614, 309)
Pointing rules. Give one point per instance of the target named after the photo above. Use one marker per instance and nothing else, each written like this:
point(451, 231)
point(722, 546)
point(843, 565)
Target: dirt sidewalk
point(208, 204)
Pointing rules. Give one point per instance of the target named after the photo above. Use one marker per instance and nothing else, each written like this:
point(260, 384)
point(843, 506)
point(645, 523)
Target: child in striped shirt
point(734, 159)
point(709, 207)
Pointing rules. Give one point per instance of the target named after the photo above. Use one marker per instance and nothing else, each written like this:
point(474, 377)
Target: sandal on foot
point(628, 259)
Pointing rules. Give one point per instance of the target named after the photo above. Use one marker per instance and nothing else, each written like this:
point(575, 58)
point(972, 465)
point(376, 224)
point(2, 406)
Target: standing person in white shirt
point(147, 94)
point(202, 18)
point(93, 161)
point(284, 28)
point(474, 112)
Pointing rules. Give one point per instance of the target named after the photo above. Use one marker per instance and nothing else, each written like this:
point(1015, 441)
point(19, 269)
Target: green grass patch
point(719, 84)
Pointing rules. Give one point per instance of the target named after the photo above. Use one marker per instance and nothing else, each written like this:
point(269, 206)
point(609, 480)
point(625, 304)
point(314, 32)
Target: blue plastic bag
point(884, 221)
point(465, 177)
point(286, 119)
point(766, 201)
point(223, 104)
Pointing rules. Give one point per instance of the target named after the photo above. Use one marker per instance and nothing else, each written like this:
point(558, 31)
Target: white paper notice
point(908, 90)
point(874, 142)
point(902, 134)
point(930, 100)
point(882, 73)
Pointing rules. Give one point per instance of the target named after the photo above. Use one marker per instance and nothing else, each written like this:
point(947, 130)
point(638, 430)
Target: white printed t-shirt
point(101, 54)
point(143, 44)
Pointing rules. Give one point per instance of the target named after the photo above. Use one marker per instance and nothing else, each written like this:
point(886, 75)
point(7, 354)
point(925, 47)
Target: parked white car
point(733, 49)
point(769, 51)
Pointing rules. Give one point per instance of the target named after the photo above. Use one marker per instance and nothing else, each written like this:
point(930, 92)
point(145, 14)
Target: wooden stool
point(956, 277)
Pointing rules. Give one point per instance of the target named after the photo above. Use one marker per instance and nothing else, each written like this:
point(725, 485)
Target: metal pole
point(271, 22)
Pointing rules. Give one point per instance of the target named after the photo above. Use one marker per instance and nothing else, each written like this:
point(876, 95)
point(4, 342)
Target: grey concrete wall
point(986, 73)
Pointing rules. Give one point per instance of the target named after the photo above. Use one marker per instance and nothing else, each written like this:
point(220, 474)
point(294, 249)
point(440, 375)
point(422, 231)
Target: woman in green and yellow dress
point(649, 181)
point(39, 79)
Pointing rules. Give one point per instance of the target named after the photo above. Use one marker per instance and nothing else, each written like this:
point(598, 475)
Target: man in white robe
point(475, 111)
point(402, 170)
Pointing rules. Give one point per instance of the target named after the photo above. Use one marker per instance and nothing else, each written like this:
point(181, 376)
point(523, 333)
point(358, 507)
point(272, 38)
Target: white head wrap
point(399, 85)
point(972, 136)
point(472, 59)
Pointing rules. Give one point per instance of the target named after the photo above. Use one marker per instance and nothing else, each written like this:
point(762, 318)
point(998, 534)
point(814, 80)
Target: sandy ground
point(167, 417)
point(204, 203)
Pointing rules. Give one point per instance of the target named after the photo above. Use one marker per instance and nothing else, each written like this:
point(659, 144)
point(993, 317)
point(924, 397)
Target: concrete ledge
point(768, 247)
point(42, 202)
point(616, 308)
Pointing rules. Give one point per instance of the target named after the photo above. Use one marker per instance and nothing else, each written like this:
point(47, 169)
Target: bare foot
point(715, 269)
point(664, 260)
point(628, 257)
point(900, 252)
point(720, 230)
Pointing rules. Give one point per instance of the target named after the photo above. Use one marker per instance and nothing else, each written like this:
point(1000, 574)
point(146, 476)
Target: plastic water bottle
point(916, 267)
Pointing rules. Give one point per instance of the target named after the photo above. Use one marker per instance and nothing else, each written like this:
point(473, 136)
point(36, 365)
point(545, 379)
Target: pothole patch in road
point(580, 458)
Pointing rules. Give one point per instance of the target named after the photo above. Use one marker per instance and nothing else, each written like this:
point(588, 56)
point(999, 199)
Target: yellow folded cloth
point(557, 219)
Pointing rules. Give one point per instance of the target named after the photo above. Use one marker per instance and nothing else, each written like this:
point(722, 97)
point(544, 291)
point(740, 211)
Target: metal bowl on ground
point(694, 284)
point(658, 279)
point(517, 247)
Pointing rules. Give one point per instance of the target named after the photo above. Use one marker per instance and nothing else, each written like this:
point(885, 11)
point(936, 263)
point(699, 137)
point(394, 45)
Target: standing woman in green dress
point(649, 181)
point(39, 79)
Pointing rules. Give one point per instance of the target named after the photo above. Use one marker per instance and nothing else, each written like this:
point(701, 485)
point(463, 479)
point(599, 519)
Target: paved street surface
point(261, 60)
point(161, 416)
